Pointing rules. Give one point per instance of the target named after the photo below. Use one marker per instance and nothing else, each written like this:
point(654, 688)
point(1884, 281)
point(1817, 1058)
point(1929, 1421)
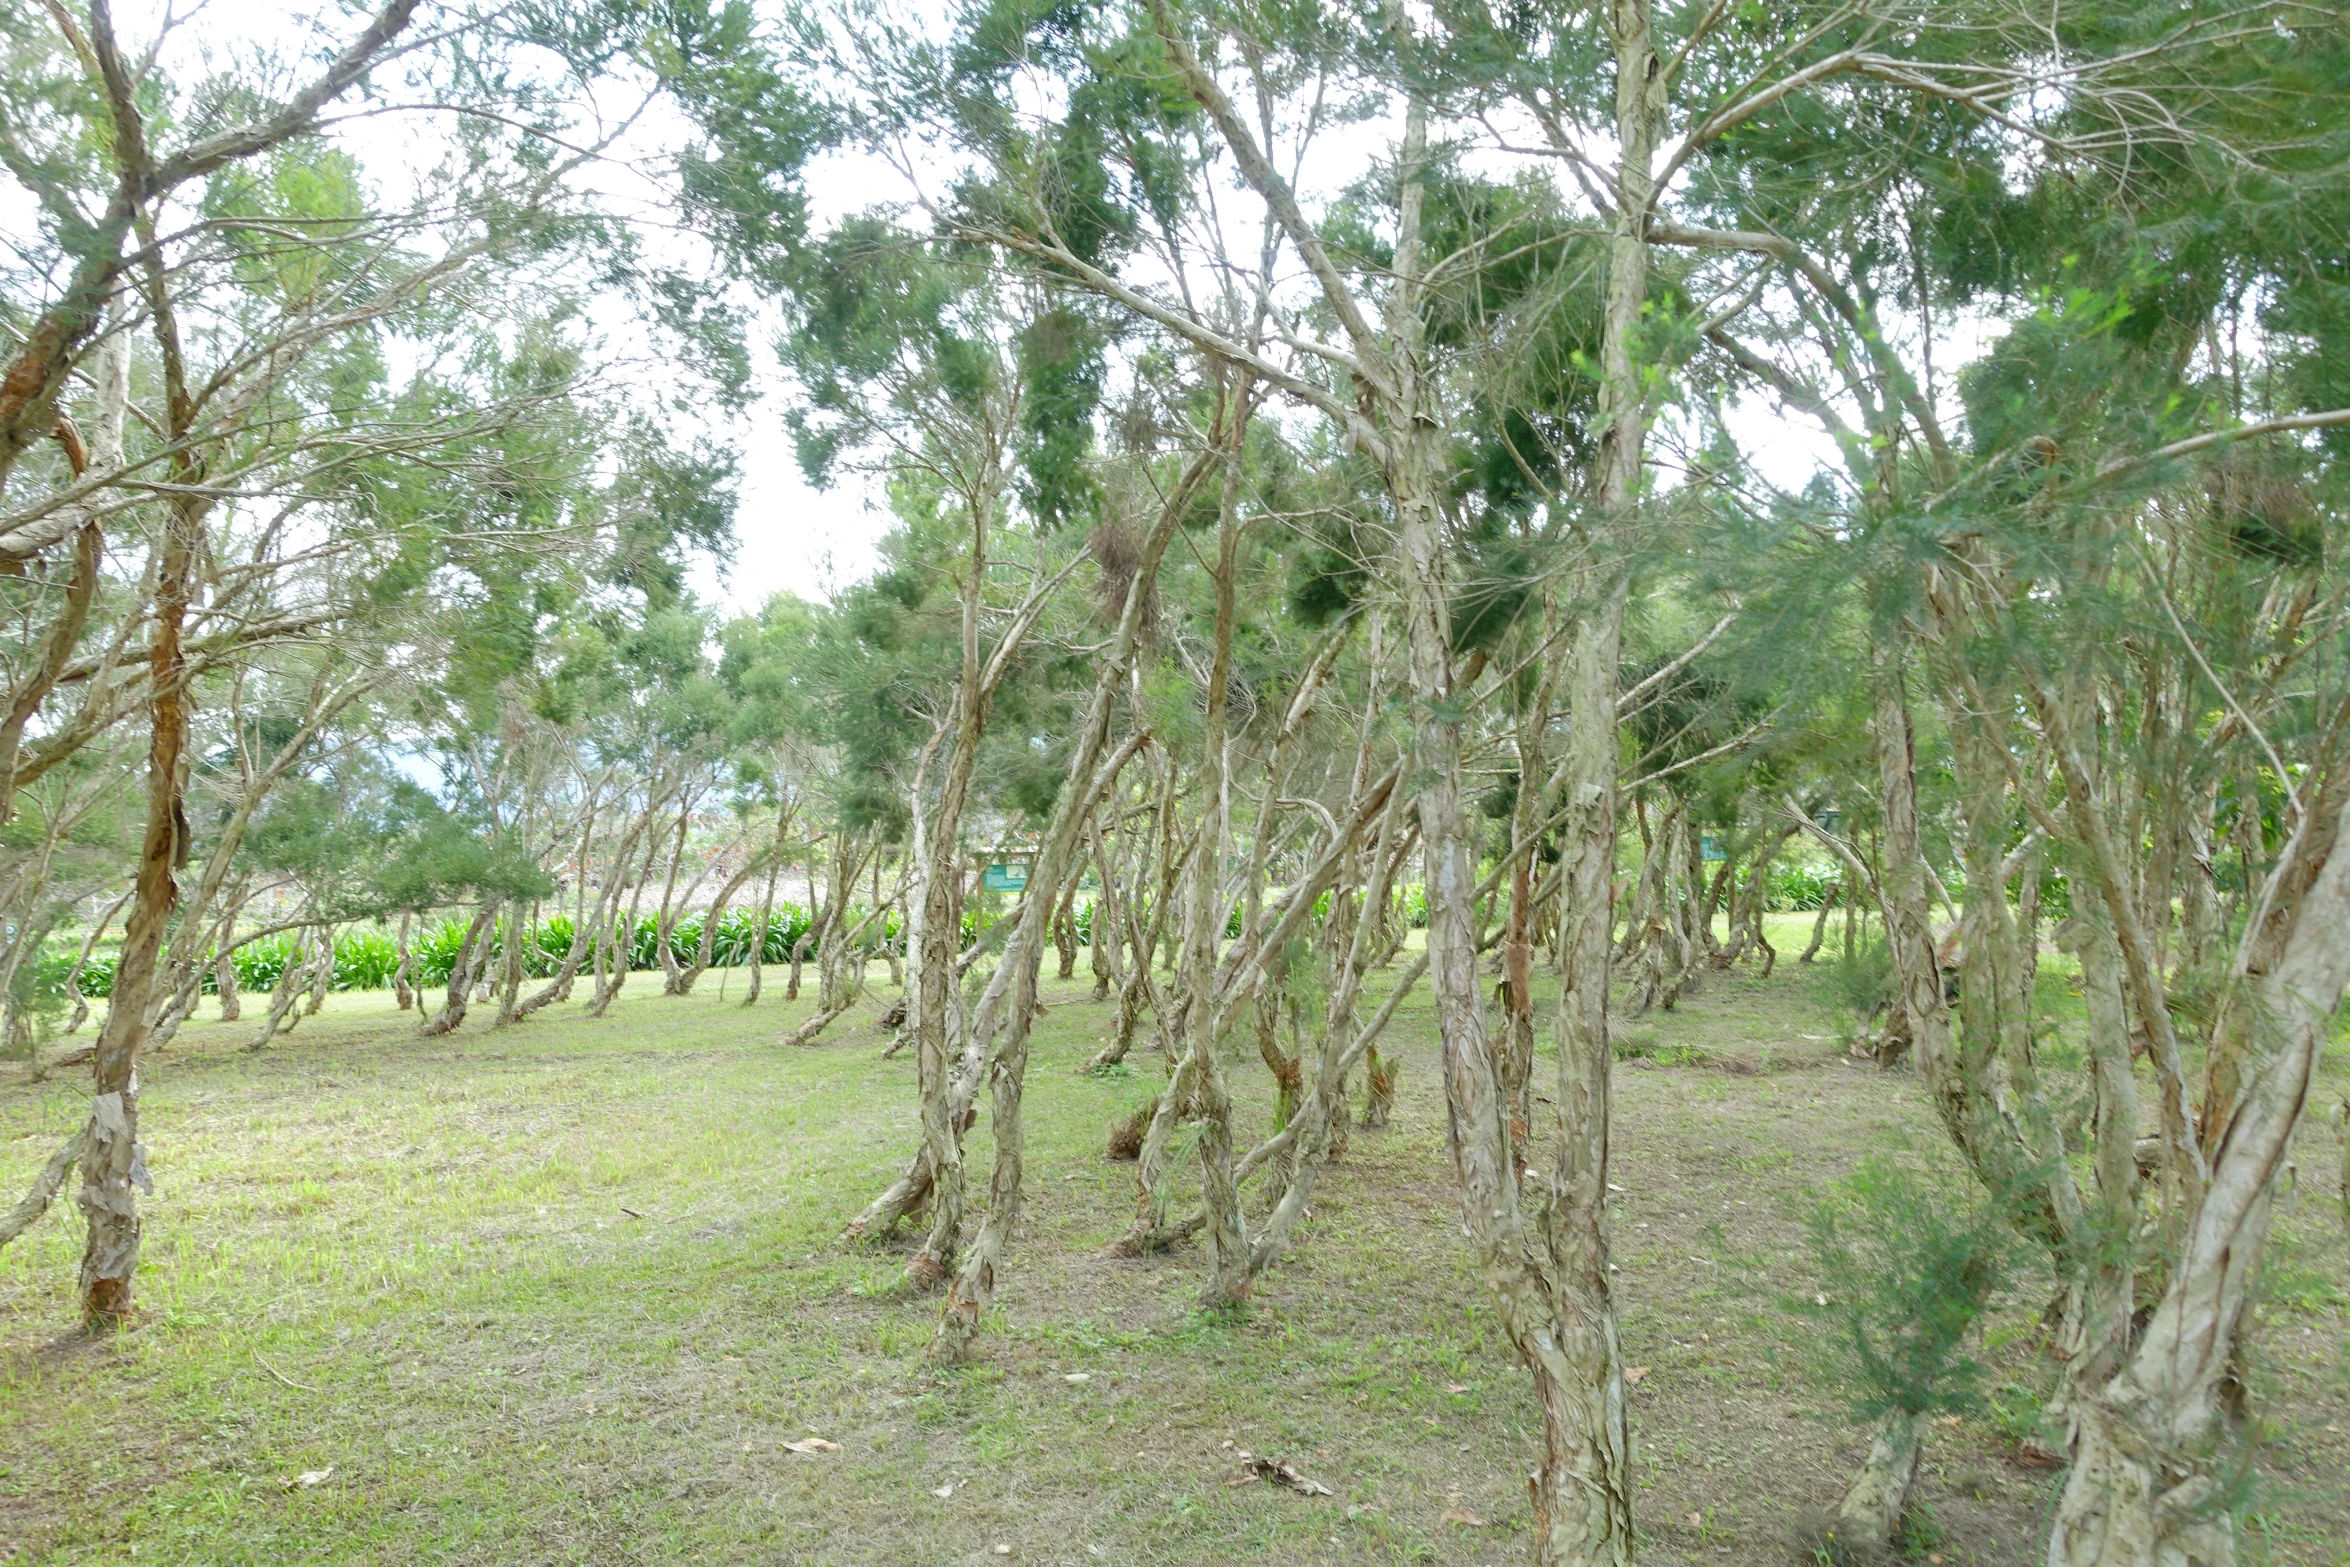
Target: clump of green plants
point(1857, 988)
point(1908, 1261)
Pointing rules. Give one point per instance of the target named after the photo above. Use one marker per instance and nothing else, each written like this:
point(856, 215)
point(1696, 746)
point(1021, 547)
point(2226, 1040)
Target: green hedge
point(367, 959)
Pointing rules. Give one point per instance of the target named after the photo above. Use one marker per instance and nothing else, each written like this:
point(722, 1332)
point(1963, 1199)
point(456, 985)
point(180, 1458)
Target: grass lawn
point(563, 1292)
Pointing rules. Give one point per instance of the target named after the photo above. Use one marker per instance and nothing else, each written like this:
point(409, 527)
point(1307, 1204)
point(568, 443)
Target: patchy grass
point(418, 1264)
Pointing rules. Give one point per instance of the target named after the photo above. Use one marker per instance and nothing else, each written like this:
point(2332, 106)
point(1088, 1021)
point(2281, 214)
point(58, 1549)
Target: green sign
point(1709, 849)
point(1005, 878)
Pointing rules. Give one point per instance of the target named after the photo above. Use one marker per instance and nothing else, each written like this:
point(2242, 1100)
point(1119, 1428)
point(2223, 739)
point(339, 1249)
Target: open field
point(562, 1293)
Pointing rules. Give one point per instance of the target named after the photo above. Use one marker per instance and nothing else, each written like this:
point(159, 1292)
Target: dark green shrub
point(1907, 1263)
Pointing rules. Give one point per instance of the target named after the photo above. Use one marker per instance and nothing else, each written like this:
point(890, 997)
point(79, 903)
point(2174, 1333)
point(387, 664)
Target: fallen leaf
point(1455, 1387)
point(1633, 1374)
point(1456, 1516)
point(310, 1477)
point(1002, 1549)
point(1696, 1520)
point(1819, 1300)
point(1078, 1376)
point(1246, 1479)
point(944, 1491)
point(2033, 1455)
point(814, 1444)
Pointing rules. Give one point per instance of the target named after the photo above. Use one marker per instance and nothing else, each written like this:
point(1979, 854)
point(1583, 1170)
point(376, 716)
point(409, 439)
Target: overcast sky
point(789, 535)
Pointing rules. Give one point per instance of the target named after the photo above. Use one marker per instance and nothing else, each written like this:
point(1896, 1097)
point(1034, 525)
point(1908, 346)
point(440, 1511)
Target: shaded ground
point(419, 1264)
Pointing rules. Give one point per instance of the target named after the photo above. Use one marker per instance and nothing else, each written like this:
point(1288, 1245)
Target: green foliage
point(1908, 1263)
point(1857, 986)
point(259, 964)
point(365, 960)
point(1795, 886)
point(435, 951)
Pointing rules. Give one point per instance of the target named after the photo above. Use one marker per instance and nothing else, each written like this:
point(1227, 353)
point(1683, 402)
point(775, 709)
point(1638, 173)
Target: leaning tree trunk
point(73, 979)
point(288, 989)
point(840, 961)
point(2151, 1455)
point(620, 942)
point(706, 948)
point(975, 1279)
point(588, 927)
point(464, 970)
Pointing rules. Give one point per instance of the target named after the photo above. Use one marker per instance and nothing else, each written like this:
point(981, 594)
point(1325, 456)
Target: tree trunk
point(73, 979)
point(708, 945)
point(322, 973)
point(2148, 1485)
point(519, 933)
point(1870, 1515)
point(113, 1162)
point(1103, 926)
point(224, 983)
point(840, 962)
point(665, 916)
point(465, 970)
point(620, 940)
point(285, 992)
point(936, 925)
point(403, 992)
point(759, 933)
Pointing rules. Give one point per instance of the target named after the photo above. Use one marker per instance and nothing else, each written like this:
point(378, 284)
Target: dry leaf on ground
point(1256, 1467)
point(814, 1444)
point(1285, 1474)
point(1455, 1515)
point(310, 1477)
point(1633, 1374)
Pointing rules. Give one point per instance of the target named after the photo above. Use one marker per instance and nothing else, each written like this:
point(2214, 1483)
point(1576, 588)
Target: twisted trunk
point(464, 971)
point(2151, 1449)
